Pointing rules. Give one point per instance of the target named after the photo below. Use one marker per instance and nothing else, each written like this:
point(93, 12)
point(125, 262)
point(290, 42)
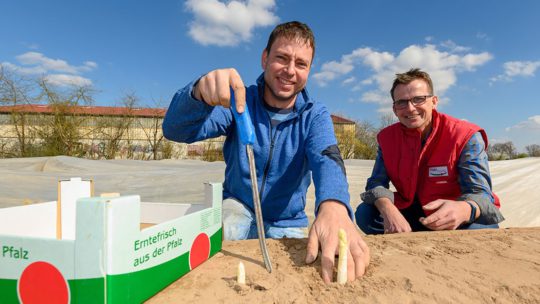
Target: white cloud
point(524, 133)
point(517, 68)
point(349, 80)
point(366, 56)
point(443, 66)
point(367, 81)
point(521, 68)
point(372, 96)
point(532, 123)
point(63, 80)
point(89, 66)
point(57, 65)
point(57, 71)
point(331, 70)
point(471, 61)
point(228, 24)
point(38, 59)
point(37, 70)
point(452, 46)
point(378, 60)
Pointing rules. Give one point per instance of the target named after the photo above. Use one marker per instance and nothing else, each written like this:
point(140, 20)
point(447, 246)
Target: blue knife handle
point(244, 125)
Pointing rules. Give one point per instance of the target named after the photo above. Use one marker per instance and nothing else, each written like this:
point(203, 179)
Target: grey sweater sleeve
point(475, 180)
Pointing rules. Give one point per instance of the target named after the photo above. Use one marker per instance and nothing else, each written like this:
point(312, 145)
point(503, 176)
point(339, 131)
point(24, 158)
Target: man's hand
point(448, 215)
point(394, 221)
point(214, 89)
point(324, 231)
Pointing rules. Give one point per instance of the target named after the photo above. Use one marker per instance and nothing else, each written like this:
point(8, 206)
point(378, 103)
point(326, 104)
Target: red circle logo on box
point(41, 282)
point(200, 250)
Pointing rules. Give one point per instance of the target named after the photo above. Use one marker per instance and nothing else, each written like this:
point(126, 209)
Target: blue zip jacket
point(286, 156)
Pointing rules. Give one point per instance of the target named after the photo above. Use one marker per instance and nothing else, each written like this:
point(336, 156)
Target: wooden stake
point(59, 213)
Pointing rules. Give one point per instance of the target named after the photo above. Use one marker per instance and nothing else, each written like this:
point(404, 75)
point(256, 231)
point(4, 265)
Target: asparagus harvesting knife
point(246, 131)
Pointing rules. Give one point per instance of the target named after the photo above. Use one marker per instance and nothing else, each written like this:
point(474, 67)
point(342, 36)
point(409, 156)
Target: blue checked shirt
point(474, 180)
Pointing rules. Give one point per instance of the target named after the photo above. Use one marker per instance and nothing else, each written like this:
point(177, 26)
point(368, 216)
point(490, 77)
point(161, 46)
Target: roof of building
point(115, 111)
point(341, 120)
point(87, 110)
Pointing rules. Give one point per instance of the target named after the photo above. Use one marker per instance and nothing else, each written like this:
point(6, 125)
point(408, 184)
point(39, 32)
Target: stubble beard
point(280, 99)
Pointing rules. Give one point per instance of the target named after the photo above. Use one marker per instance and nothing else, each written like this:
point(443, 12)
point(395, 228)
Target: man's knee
point(368, 219)
point(289, 232)
point(237, 220)
point(361, 217)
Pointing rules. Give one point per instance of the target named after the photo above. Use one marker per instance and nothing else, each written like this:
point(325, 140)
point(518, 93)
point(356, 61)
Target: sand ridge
point(490, 266)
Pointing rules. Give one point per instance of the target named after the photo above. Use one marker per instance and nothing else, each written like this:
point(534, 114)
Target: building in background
point(99, 132)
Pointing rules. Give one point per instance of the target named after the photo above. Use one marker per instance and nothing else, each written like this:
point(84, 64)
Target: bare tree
point(387, 120)
point(167, 149)
point(4, 149)
point(346, 143)
point(533, 150)
point(16, 91)
point(501, 151)
point(151, 127)
point(62, 131)
point(366, 140)
point(212, 151)
point(115, 130)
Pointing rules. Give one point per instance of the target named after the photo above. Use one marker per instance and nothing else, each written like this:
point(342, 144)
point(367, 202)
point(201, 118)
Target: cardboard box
point(103, 256)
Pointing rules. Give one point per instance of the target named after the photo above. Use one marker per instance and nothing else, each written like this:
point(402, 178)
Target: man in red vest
point(437, 163)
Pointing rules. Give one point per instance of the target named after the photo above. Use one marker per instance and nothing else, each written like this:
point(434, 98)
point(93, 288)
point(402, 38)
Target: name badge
point(438, 171)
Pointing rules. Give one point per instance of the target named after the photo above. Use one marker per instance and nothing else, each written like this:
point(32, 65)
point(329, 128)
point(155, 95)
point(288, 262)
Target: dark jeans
point(370, 220)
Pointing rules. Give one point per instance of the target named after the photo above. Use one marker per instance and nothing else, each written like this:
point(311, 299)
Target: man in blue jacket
point(294, 142)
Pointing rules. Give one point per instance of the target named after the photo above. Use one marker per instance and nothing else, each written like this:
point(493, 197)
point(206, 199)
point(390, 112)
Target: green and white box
point(103, 255)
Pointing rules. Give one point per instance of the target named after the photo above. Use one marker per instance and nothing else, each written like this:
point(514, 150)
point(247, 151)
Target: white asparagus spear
point(241, 276)
point(342, 260)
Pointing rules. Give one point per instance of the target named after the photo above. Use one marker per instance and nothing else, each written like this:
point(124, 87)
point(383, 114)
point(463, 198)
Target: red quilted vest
point(430, 172)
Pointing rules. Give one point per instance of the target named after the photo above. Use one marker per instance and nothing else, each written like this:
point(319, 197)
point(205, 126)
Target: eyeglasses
point(416, 101)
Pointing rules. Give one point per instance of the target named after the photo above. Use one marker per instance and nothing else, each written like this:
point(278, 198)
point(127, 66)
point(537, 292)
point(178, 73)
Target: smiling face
point(286, 70)
point(415, 117)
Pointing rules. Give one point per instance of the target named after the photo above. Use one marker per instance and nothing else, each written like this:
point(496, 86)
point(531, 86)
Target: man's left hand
point(331, 217)
point(448, 215)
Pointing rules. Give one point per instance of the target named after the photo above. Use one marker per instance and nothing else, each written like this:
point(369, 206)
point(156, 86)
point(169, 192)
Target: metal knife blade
point(247, 137)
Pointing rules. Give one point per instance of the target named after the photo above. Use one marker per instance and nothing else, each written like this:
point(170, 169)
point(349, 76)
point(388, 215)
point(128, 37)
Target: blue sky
point(484, 56)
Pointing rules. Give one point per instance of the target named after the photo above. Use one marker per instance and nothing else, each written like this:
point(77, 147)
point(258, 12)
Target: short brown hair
point(409, 76)
point(292, 30)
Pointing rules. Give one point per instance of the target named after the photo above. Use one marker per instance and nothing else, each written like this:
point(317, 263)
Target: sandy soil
point(496, 266)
